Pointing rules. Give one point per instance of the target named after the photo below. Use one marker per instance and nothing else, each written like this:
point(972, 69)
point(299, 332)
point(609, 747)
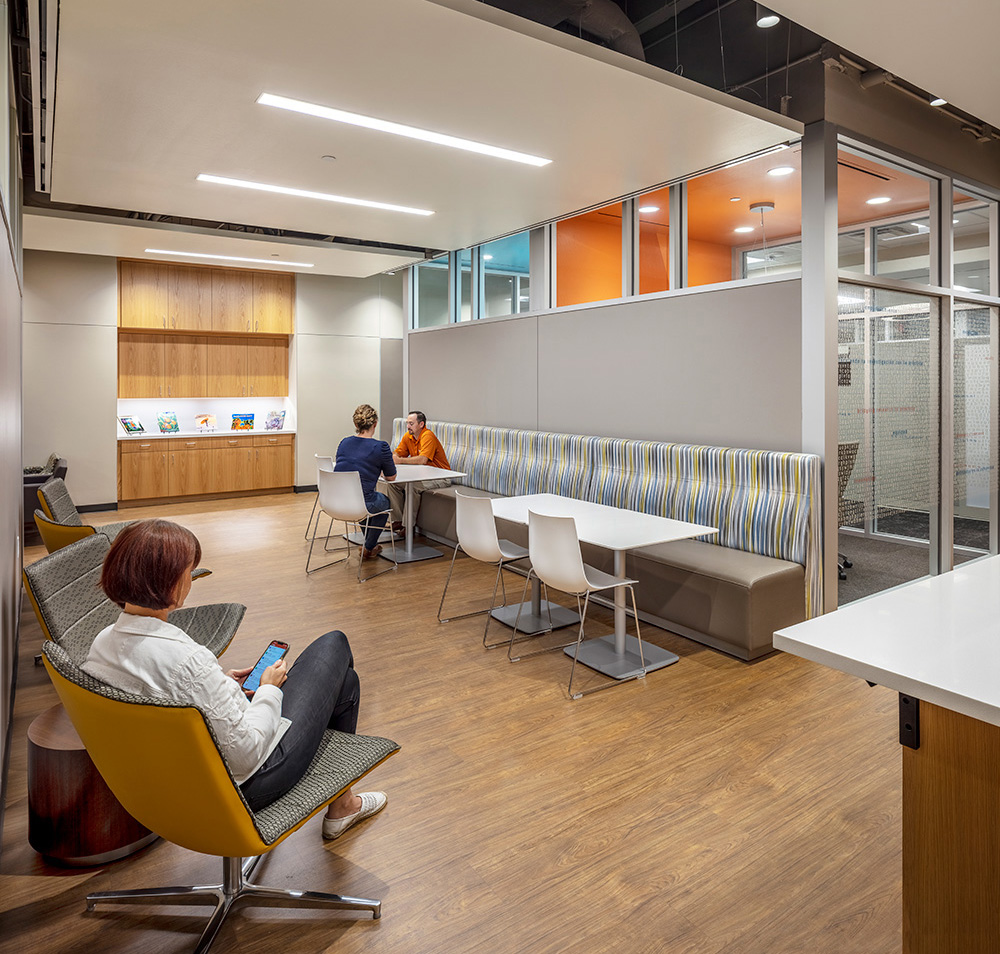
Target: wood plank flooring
point(715, 807)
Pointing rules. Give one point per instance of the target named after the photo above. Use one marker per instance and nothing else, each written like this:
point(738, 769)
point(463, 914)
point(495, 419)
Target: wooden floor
point(716, 807)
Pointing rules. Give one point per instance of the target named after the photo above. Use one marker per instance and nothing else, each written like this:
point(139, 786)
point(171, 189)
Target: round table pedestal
point(73, 818)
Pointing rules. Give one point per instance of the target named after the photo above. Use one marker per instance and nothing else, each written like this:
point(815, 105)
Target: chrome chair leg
point(312, 543)
point(525, 637)
point(492, 606)
point(392, 538)
point(311, 515)
point(451, 570)
point(234, 887)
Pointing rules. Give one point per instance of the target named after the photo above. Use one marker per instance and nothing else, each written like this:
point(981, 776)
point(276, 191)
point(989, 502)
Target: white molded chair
point(341, 498)
point(322, 463)
point(556, 560)
point(477, 536)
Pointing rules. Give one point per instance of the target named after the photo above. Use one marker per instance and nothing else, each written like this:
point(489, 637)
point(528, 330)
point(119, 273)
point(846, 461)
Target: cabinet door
point(144, 471)
point(232, 300)
point(227, 367)
point(186, 366)
point(273, 464)
point(189, 469)
point(142, 295)
point(189, 299)
point(235, 466)
point(140, 365)
point(273, 297)
point(267, 367)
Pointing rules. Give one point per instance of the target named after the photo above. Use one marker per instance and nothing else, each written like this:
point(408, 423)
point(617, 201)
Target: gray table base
point(535, 620)
point(600, 654)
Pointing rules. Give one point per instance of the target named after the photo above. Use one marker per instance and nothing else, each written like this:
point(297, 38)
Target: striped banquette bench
point(762, 571)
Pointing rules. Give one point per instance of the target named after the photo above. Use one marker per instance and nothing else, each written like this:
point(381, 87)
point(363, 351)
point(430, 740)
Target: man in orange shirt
point(418, 446)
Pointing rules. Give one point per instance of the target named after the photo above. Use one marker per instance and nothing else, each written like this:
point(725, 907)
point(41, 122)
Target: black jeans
point(322, 692)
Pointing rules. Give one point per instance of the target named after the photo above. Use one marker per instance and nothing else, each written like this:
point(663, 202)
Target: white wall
point(70, 355)
point(715, 366)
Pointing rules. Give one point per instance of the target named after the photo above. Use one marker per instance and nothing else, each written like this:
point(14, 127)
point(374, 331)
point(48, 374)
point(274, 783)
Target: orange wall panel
point(709, 263)
point(589, 257)
point(654, 259)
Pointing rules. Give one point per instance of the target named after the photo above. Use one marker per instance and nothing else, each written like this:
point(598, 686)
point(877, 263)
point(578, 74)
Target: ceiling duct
point(601, 18)
point(43, 29)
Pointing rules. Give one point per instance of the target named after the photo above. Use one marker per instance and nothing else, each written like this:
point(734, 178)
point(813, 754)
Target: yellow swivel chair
point(164, 765)
point(60, 523)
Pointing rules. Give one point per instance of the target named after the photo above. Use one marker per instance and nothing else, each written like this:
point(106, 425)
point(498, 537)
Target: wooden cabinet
point(274, 463)
point(227, 368)
point(165, 297)
point(189, 299)
point(185, 364)
point(273, 295)
point(141, 366)
point(142, 295)
point(187, 466)
point(142, 468)
point(267, 367)
point(232, 300)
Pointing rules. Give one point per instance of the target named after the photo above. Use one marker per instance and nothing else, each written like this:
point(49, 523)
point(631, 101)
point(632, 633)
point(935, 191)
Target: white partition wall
point(718, 366)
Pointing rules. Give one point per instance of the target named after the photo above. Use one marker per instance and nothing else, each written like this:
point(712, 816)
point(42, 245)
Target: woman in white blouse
point(268, 740)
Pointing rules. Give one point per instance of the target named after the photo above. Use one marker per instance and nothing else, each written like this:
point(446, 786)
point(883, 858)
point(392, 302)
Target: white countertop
point(936, 639)
point(604, 526)
point(156, 435)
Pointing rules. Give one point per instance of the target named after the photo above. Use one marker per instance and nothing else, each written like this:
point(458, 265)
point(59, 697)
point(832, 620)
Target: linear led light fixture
point(230, 258)
point(306, 194)
point(397, 129)
point(756, 155)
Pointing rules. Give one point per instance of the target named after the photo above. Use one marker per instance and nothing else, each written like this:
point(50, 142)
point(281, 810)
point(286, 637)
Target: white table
point(614, 529)
point(936, 641)
point(411, 475)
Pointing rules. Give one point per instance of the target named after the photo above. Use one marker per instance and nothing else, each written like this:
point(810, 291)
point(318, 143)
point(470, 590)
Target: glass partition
point(506, 275)
point(745, 218)
point(972, 255)
point(975, 466)
point(589, 256)
point(430, 296)
point(465, 284)
point(653, 214)
point(888, 432)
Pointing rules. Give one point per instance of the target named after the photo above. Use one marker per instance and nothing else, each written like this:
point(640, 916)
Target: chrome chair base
point(234, 888)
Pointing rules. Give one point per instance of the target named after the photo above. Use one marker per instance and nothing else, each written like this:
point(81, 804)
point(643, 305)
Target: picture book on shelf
point(204, 422)
point(242, 422)
point(275, 421)
point(132, 425)
point(168, 422)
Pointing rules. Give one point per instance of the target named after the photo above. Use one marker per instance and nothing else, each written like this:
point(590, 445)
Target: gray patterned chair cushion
point(66, 586)
point(59, 502)
point(341, 759)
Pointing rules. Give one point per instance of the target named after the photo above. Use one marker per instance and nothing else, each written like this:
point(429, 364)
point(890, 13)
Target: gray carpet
point(880, 564)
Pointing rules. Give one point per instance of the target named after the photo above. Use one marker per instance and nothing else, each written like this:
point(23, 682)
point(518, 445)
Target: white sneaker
point(371, 804)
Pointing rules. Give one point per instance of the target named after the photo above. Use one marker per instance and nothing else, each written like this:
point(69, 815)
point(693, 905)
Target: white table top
point(935, 639)
point(412, 473)
point(608, 527)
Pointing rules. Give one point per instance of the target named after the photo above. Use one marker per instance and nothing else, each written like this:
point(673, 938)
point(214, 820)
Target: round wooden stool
point(73, 818)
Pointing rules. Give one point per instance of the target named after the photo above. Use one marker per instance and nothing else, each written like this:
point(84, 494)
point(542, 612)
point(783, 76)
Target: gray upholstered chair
point(58, 507)
point(183, 789)
point(72, 608)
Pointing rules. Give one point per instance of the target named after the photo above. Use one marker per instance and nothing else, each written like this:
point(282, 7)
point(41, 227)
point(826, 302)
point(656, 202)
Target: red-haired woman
point(268, 741)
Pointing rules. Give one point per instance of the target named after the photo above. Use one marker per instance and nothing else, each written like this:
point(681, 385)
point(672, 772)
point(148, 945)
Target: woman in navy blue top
point(372, 459)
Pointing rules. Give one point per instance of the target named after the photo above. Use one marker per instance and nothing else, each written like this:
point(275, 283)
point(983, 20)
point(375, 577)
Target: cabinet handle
point(256, 326)
point(173, 321)
point(232, 442)
point(190, 443)
point(248, 324)
point(168, 390)
point(161, 390)
point(272, 440)
point(164, 321)
point(145, 445)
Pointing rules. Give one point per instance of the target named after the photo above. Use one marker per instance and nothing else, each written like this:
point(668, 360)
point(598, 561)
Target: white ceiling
point(948, 49)
point(151, 94)
point(105, 235)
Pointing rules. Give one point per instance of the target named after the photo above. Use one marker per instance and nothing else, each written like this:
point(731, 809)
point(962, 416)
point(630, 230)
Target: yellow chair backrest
point(55, 536)
point(162, 764)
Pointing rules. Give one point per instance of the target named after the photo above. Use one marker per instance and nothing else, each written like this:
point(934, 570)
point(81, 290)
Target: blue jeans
point(375, 525)
point(322, 692)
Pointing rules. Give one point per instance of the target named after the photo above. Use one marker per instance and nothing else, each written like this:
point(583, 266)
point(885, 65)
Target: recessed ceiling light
point(735, 198)
point(781, 171)
point(744, 228)
point(879, 200)
point(954, 221)
point(487, 258)
point(397, 129)
point(973, 276)
point(938, 101)
point(755, 259)
point(306, 194)
point(229, 258)
point(649, 208)
point(766, 18)
point(849, 300)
